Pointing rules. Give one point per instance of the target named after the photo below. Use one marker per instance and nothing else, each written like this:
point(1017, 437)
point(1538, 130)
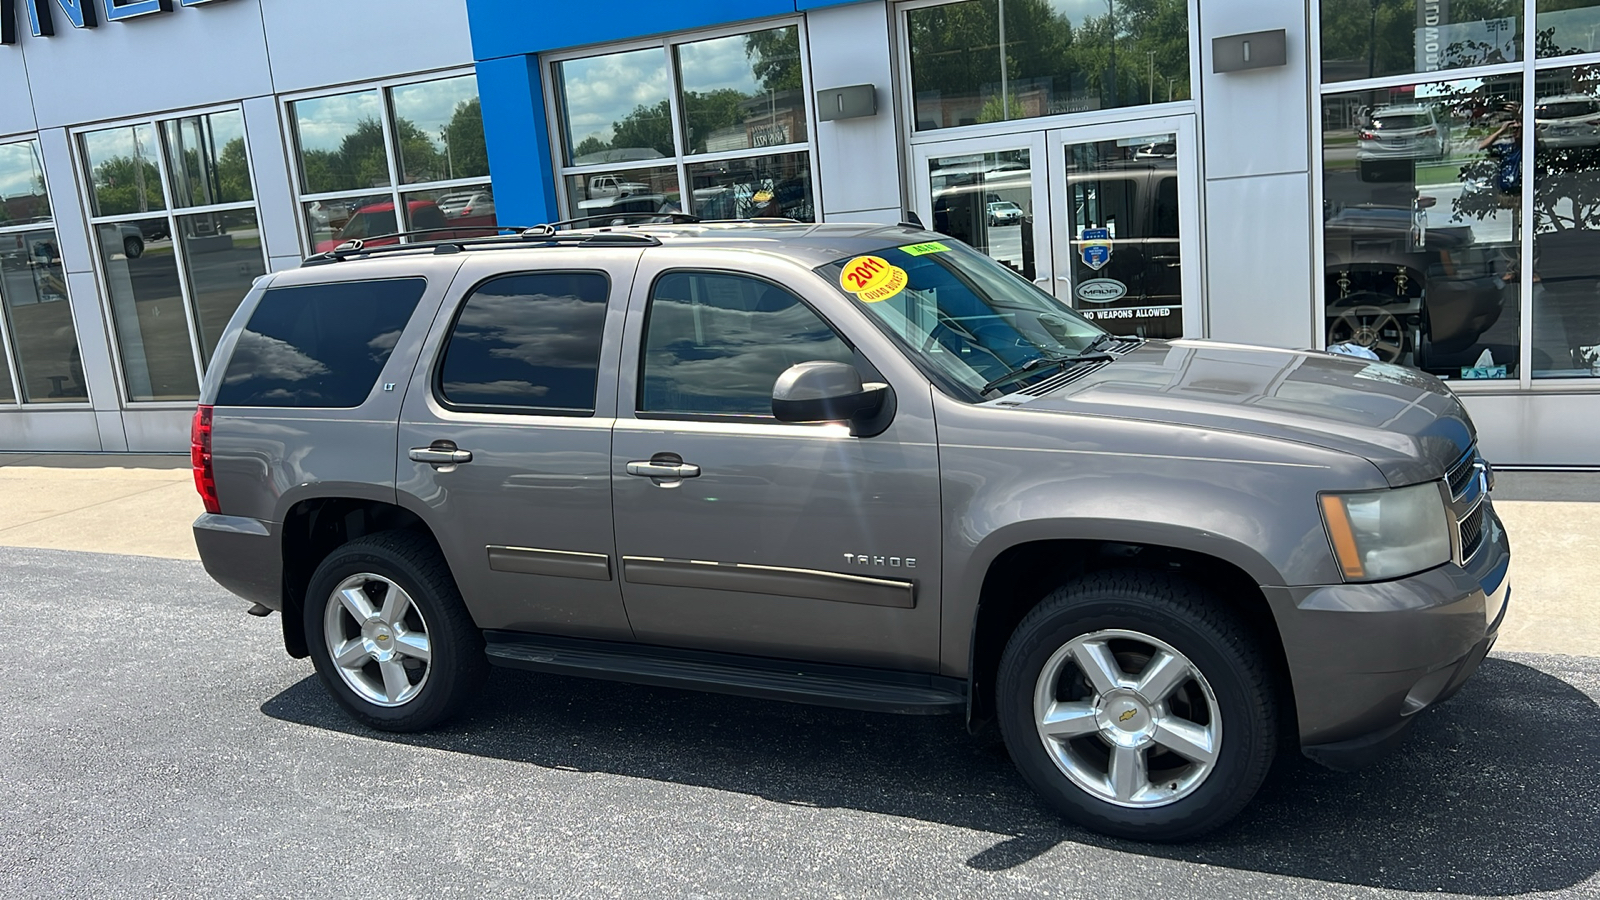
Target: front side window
point(527, 343)
point(320, 345)
point(38, 337)
point(179, 242)
point(964, 319)
point(715, 343)
point(738, 146)
point(376, 162)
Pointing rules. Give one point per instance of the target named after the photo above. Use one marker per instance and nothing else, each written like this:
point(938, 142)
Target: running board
point(820, 684)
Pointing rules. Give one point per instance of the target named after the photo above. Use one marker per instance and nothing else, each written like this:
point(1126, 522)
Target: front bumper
point(1364, 659)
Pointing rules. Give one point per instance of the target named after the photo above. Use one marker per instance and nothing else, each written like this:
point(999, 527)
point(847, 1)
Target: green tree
point(774, 57)
point(233, 173)
point(709, 113)
point(648, 127)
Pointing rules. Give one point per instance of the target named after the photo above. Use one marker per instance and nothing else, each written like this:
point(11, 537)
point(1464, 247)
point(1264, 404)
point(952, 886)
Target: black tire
point(132, 246)
point(1189, 621)
point(456, 667)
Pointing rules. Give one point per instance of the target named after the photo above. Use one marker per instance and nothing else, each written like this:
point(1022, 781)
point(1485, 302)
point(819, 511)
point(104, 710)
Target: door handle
point(647, 469)
point(442, 453)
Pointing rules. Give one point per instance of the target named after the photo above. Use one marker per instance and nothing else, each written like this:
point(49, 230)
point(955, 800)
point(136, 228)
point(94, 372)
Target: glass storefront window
point(984, 61)
point(38, 318)
point(753, 188)
point(737, 95)
point(986, 201)
point(222, 257)
point(1566, 225)
point(436, 149)
point(147, 308)
point(123, 171)
point(455, 212)
point(1566, 27)
point(1374, 38)
point(438, 129)
point(340, 139)
point(615, 108)
point(742, 92)
point(624, 192)
point(1422, 189)
point(23, 200)
point(207, 159)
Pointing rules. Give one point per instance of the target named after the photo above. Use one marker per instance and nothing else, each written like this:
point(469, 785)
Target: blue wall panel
point(518, 141)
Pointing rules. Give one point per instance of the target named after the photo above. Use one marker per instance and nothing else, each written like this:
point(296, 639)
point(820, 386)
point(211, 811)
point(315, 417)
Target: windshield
point(964, 318)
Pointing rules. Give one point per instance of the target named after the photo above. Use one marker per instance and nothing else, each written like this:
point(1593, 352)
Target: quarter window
point(716, 344)
point(528, 342)
point(318, 345)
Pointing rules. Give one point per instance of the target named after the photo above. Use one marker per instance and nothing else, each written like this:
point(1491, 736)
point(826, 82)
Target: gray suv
point(861, 466)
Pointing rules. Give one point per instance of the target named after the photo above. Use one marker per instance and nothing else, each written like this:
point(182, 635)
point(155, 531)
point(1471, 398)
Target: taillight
point(205, 480)
point(1429, 132)
point(1368, 136)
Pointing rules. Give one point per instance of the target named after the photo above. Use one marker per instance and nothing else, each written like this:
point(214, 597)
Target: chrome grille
point(1472, 531)
point(1460, 473)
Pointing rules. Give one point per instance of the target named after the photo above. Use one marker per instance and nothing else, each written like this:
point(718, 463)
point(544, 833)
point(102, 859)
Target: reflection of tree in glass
point(1365, 38)
point(468, 155)
point(228, 182)
point(361, 161)
point(125, 184)
point(775, 58)
point(1137, 51)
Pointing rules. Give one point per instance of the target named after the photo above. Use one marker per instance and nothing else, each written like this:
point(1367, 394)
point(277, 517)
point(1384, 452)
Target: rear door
point(505, 438)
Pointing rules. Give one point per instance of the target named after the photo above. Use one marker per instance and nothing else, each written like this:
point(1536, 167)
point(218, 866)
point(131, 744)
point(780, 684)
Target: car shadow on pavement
point(1494, 793)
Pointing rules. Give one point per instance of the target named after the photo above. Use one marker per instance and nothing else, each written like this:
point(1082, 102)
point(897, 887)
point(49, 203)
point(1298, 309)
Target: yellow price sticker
point(872, 278)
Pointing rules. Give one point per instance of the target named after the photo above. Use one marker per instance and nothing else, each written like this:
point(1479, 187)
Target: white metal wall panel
point(314, 43)
point(274, 189)
point(1258, 248)
point(1536, 429)
point(192, 56)
point(157, 430)
point(859, 159)
point(59, 430)
point(16, 113)
point(1254, 122)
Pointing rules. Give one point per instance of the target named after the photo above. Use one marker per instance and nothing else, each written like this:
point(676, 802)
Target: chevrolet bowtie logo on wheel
point(1131, 712)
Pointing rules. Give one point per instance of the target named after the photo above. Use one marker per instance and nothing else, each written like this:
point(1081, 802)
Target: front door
point(1105, 217)
point(1125, 213)
point(742, 534)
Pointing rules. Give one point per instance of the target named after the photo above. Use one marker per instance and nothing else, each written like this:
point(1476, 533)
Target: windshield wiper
point(1041, 362)
point(1095, 344)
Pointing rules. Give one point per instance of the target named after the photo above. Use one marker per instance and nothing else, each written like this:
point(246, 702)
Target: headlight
point(1379, 535)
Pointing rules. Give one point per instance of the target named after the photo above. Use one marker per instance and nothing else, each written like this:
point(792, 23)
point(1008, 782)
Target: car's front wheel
point(389, 634)
point(1137, 706)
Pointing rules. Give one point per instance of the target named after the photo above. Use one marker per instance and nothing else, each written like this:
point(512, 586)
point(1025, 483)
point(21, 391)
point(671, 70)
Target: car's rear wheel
point(389, 634)
point(132, 246)
point(1137, 706)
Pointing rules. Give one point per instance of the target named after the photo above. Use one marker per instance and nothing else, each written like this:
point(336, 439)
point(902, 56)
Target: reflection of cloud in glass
point(270, 359)
point(718, 64)
point(19, 169)
point(323, 123)
point(505, 388)
point(431, 104)
point(601, 90)
point(537, 329)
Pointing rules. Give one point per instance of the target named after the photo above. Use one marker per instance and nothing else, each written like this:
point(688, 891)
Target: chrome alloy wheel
point(377, 639)
point(1128, 718)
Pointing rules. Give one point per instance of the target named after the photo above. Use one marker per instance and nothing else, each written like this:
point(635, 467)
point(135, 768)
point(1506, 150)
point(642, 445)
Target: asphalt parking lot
point(155, 741)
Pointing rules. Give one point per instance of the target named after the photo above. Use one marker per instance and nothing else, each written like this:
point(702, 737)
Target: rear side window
point(528, 342)
point(319, 345)
point(715, 344)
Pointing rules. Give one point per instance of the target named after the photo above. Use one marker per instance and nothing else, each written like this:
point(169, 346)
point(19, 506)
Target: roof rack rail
point(540, 234)
point(633, 218)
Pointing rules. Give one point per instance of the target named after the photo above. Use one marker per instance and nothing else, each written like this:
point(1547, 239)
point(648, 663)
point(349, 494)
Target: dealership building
point(1374, 172)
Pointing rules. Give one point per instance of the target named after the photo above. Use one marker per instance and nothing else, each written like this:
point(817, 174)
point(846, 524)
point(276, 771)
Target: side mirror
point(827, 392)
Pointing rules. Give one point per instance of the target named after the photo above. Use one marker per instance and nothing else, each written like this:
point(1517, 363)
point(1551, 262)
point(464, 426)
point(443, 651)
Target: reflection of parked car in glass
point(375, 224)
point(1572, 120)
point(132, 239)
point(1403, 132)
point(1423, 298)
point(631, 205)
point(1004, 212)
point(614, 186)
point(471, 204)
